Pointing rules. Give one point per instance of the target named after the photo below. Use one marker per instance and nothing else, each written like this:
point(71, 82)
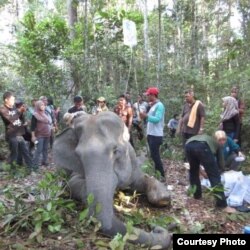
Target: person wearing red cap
point(155, 125)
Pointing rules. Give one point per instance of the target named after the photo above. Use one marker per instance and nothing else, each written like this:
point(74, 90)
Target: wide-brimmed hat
point(101, 99)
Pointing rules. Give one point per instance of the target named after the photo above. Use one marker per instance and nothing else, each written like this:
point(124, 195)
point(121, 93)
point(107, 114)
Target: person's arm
point(8, 117)
point(158, 114)
point(130, 117)
point(116, 110)
point(236, 120)
point(202, 122)
point(242, 107)
point(220, 159)
point(202, 118)
point(234, 147)
point(170, 124)
point(33, 128)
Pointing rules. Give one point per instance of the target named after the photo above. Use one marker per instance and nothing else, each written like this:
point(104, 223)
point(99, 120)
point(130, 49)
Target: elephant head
point(97, 150)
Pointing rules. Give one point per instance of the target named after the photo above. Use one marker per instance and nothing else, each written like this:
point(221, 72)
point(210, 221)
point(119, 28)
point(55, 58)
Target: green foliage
point(48, 211)
point(213, 191)
point(40, 47)
point(236, 217)
point(191, 190)
point(3, 2)
point(197, 227)
point(119, 241)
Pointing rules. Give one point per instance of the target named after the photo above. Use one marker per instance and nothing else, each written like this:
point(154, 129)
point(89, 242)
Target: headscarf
point(231, 108)
point(40, 114)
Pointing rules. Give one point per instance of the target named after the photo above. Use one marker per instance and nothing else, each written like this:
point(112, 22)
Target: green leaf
point(51, 228)
point(84, 214)
point(98, 208)
point(49, 206)
point(38, 227)
point(90, 199)
point(33, 235)
point(57, 228)
point(46, 216)
point(133, 237)
point(101, 243)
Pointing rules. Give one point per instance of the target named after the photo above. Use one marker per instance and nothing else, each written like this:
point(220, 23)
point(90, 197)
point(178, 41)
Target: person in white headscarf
point(230, 120)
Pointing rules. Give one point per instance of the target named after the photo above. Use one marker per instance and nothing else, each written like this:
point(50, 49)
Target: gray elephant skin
point(97, 152)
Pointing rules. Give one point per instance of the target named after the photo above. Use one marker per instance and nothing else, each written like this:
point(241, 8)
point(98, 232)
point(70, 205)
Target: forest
point(61, 49)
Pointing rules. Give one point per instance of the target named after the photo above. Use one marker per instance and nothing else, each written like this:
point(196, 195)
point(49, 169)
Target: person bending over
point(207, 151)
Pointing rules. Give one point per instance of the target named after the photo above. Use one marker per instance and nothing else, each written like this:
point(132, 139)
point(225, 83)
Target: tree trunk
point(205, 31)
point(194, 36)
point(72, 16)
point(146, 40)
point(159, 45)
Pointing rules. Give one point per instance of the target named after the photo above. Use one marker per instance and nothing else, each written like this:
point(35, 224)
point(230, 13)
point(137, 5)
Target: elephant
point(96, 152)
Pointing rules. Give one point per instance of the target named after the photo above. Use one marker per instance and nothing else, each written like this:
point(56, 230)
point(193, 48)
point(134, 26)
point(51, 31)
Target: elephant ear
point(64, 151)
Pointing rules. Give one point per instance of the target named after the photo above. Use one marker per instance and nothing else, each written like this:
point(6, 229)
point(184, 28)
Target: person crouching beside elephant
point(231, 151)
point(207, 151)
point(40, 131)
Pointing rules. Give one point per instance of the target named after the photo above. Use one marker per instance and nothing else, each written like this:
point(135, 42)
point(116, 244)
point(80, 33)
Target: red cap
point(152, 91)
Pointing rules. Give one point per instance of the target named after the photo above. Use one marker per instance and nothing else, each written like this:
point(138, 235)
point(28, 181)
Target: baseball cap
point(152, 91)
point(78, 98)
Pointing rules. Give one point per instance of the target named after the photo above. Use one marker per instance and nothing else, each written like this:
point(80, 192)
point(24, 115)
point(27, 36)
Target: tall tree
point(146, 40)
point(72, 16)
point(159, 45)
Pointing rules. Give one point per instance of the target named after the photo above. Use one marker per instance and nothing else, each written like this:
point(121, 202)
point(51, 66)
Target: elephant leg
point(159, 238)
point(77, 185)
point(156, 191)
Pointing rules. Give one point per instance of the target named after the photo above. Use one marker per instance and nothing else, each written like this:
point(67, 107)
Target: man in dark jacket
point(14, 130)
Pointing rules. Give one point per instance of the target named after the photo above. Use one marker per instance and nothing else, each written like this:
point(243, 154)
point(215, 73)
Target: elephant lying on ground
point(97, 151)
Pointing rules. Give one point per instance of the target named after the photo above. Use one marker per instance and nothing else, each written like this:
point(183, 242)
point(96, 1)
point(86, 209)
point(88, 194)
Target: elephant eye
point(117, 151)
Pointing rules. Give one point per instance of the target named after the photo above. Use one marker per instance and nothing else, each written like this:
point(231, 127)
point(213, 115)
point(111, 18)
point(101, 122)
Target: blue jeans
point(154, 143)
point(199, 153)
point(41, 149)
point(19, 151)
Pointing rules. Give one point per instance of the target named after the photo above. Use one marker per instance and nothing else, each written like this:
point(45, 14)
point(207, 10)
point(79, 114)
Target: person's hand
point(201, 131)
point(56, 129)
point(236, 140)
point(22, 109)
point(143, 115)
point(129, 127)
point(33, 138)
point(240, 154)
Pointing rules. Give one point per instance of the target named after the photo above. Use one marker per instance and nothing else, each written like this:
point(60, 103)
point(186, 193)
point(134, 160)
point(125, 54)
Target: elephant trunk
point(101, 181)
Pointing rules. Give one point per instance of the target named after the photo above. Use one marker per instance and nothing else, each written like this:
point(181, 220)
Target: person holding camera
point(40, 131)
point(14, 130)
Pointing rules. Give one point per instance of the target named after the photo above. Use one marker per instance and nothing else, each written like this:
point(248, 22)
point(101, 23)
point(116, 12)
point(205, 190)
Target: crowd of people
point(30, 131)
